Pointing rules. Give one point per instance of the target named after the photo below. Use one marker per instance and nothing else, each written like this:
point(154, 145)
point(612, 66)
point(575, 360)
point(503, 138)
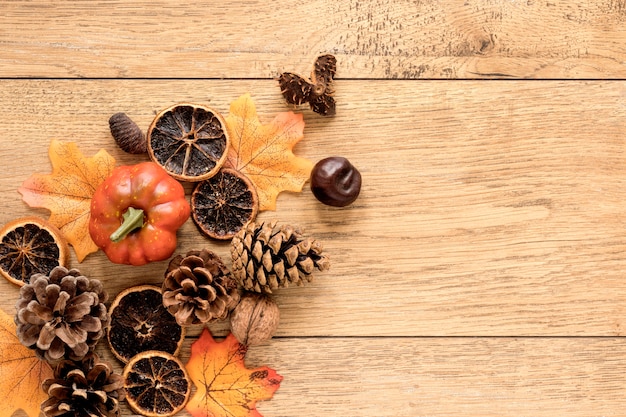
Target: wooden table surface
point(482, 270)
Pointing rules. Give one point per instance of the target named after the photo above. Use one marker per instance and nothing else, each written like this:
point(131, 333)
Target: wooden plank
point(444, 377)
point(487, 208)
point(372, 39)
point(408, 377)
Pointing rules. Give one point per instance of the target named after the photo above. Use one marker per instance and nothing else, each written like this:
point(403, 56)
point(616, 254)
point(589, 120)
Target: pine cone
point(85, 388)
point(198, 288)
point(266, 257)
point(61, 315)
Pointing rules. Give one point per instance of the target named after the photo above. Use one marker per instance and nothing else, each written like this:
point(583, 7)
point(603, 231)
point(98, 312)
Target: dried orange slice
point(30, 245)
point(156, 384)
point(140, 322)
point(189, 141)
point(224, 204)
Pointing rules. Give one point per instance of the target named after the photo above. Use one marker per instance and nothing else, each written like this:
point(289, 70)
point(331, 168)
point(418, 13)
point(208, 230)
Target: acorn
point(128, 136)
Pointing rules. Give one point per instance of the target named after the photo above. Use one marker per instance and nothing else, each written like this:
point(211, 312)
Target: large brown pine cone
point(61, 315)
point(266, 257)
point(198, 288)
point(85, 388)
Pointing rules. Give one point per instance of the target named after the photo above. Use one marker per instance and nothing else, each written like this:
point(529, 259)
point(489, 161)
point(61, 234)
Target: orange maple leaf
point(68, 190)
point(21, 373)
point(264, 153)
point(225, 388)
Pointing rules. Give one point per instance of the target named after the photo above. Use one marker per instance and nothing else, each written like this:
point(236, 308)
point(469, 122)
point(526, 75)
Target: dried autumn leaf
point(68, 190)
point(264, 153)
point(225, 388)
point(21, 373)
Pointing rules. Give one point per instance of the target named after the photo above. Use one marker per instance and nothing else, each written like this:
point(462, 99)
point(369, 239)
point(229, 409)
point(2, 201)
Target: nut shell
point(255, 319)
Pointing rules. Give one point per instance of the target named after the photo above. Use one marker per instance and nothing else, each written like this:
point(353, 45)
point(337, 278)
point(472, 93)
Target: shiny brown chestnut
point(335, 181)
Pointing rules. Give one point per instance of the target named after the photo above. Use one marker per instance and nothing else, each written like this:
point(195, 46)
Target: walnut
point(255, 319)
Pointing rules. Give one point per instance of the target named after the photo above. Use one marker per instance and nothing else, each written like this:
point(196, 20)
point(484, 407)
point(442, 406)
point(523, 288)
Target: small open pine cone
point(266, 257)
point(61, 315)
point(198, 288)
point(85, 388)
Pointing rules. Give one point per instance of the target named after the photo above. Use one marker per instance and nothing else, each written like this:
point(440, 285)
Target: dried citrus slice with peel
point(30, 245)
point(188, 140)
point(140, 322)
point(156, 384)
point(224, 204)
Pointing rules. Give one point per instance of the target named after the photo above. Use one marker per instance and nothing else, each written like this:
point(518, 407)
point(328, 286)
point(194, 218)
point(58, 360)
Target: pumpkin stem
point(133, 219)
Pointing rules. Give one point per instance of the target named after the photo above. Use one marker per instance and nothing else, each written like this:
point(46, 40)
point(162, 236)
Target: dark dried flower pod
point(61, 316)
point(295, 89)
point(324, 69)
point(85, 388)
point(128, 136)
point(317, 91)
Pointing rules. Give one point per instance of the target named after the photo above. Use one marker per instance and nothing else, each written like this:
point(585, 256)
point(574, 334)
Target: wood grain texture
point(446, 377)
point(417, 377)
point(372, 39)
point(480, 272)
point(488, 208)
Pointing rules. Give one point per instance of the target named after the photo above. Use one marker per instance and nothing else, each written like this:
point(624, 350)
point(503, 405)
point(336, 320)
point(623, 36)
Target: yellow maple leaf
point(225, 387)
point(68, 190)
point(21, 373)
point(264, 153)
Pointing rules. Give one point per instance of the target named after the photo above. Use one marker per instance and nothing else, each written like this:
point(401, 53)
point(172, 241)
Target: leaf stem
point(132, 219)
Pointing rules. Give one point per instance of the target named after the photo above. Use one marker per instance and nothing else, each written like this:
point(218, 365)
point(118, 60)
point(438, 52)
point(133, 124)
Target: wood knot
point(485, 44)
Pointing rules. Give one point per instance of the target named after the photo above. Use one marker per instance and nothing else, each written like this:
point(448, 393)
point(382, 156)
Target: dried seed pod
point(295, 89)
point(324, 69)
point(255, 319)
point(128, 136)
point(317, 91)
